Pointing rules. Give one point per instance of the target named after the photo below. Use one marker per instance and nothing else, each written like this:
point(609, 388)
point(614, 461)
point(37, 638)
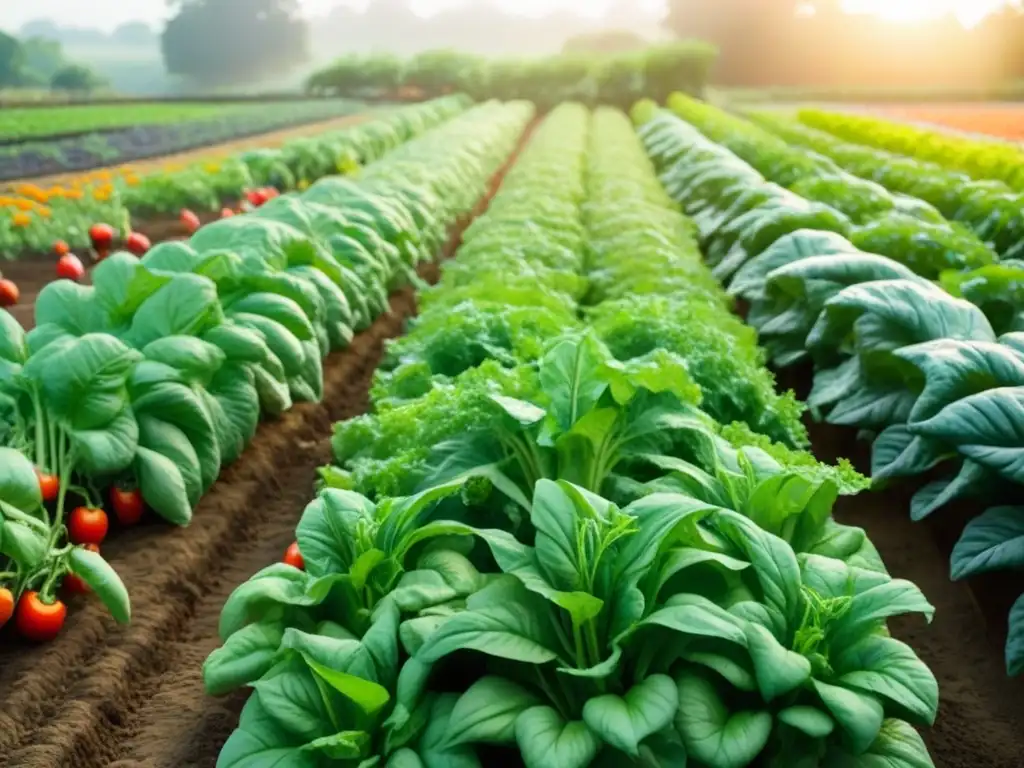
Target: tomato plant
point(6, 605)
point(39, 620)
point(189, 220)
point(128, 505)
point(9, 293)
point(74, 585)
point(101, 236)
point(70, 267)
point(293, 557)
point(87, 525)
point(137, 244)
point(49, 485)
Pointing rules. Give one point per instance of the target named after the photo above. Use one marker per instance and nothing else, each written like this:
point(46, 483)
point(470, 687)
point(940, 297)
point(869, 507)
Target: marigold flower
point(21, 220)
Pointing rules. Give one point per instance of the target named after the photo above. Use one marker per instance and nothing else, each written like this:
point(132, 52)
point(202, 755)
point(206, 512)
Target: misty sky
point(107, 14)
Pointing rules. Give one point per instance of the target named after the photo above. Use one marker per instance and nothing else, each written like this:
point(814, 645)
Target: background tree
point(75, 78)
point(12, 61)
point(223, 41)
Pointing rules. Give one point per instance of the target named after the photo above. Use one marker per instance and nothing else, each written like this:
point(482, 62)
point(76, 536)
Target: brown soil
point(209, 152)
point(133, 697)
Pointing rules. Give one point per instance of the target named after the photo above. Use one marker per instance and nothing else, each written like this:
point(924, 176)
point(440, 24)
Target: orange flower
point(24, 204)
point(21, 220)
point(44, 211)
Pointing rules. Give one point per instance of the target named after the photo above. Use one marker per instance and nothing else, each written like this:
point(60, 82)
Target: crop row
point(981, 160)
point(33, 123)
point(156, 376)
point(137, 142)
point(543, 548)
point(34, 217)
point(991, 209)
point(936, 382)
point(902, 227)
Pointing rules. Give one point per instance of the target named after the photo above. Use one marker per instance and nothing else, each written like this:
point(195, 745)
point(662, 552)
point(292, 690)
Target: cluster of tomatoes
point(102, 236)
point(41, 619)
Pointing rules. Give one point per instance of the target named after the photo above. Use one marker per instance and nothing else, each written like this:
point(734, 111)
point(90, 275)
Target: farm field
point(486, 435)
point(46, 155)
point(19, 124)
point(1004, 121)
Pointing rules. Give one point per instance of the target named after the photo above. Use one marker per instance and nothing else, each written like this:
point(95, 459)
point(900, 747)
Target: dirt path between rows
point(106, 697)
point(211, 151)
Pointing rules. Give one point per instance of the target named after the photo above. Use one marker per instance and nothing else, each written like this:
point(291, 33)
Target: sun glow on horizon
point(968, 12)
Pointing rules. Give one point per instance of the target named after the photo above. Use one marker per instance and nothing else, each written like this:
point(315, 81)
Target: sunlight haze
point(108, 14)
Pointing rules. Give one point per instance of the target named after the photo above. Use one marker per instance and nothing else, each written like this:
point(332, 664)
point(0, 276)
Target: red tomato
point(102, 236)
point(127, 504)
point(9, 293)
point(226, 213)
point(189, 220)
point(6, 605)
point(61, 248)
point(37, 620)
point(293, 557)
point(256, 197)
point(49, 485)
point(137, 243)
point(70, 267)
point(269, 193)
point(74, 585)
point(87, 525)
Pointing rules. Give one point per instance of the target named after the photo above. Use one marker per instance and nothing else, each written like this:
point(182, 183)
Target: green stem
point(553, 697)
point(21, 517)
point(8, 575)
point(581, 656)
point(54, 457)
point(40, 432)
point(592, 646)
point(64, 466)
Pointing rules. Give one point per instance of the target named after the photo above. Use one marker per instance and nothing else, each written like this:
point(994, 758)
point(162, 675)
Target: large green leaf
point(104, 582)
point(992, 541)
point(487, 712)
point(987, 428)
point(188, 305)
point(714, 735)
point(547, 740)
point(625, 721)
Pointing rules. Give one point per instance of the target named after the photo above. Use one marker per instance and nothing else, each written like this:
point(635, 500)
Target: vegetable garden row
point(578, 526)
point(64, 154)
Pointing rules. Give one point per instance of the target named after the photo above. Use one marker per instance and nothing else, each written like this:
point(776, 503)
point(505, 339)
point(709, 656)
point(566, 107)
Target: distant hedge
point(618, 79)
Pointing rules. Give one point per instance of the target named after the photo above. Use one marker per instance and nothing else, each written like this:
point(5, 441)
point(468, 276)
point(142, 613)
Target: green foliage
point(215, 40)
point(933, 379)
point(75, 77)
point(617, 79)
point(159, 372)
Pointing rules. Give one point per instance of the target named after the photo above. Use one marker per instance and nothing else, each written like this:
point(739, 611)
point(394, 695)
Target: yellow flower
point(303, 184)
point(21, 220)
